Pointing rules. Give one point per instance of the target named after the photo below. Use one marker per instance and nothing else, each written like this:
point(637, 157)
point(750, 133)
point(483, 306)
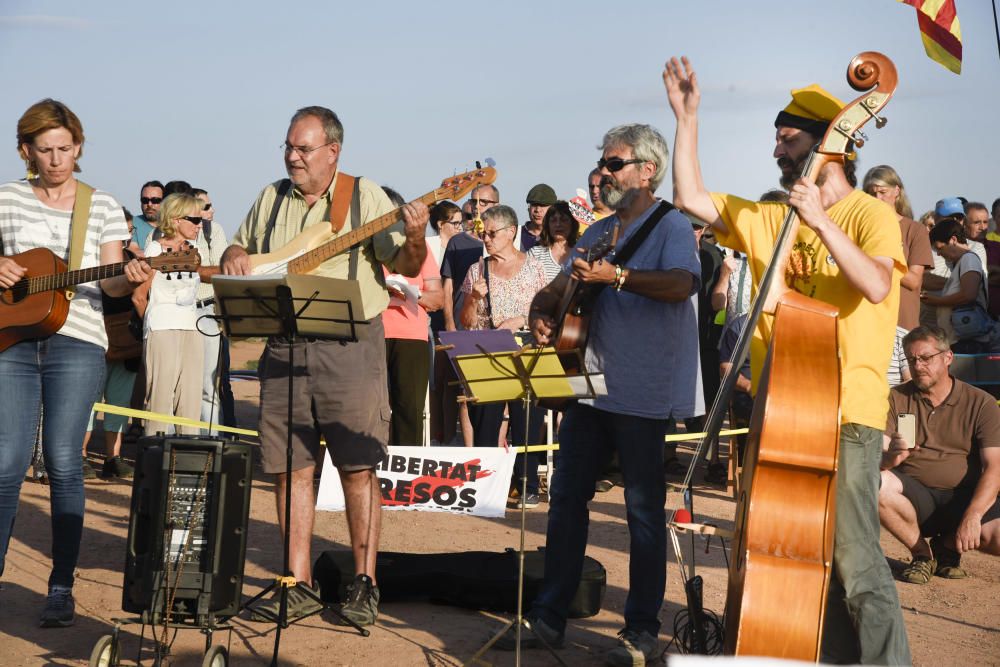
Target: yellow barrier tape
point(169, 419)
point(680, 437)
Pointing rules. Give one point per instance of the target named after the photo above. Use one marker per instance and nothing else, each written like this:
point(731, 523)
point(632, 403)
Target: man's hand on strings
point(598, 271)
point(805, 197)
point(681, 83)
point(415, 217)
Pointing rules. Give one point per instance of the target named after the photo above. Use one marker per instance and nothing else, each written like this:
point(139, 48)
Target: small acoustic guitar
point(36, 305)
point(575, 309)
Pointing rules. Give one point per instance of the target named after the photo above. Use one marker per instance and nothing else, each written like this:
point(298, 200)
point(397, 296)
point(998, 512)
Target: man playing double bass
point(847, 253)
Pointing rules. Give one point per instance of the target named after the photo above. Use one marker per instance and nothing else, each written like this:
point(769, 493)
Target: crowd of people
point(677, 286)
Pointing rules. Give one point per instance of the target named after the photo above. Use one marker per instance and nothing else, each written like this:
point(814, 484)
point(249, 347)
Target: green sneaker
point(920, 570)
point(949, 561)
point(361, 606)
point(299, 605)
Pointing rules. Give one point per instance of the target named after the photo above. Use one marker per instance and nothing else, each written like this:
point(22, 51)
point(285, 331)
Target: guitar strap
point(78, 223)
point(623, 255)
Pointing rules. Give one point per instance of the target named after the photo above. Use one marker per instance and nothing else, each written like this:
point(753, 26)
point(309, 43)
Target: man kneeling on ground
point(933, 487)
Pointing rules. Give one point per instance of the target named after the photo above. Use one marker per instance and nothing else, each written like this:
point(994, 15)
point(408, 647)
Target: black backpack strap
point(206, 229)
point(283, 187)
point(623, 255)
point(352, 262)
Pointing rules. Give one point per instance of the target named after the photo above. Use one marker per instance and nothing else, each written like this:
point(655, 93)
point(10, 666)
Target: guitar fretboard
point(62, 280)
point(310, 260)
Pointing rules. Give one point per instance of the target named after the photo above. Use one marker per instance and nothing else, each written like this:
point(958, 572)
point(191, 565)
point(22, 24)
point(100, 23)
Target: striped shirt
point(549, 265)
point(26, 223)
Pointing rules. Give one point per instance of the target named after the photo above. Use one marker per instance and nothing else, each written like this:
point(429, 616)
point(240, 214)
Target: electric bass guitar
point(318, 243)
point(36, 306)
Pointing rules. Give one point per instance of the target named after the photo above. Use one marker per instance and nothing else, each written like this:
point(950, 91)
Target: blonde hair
point(885, 176)
point(48, 114)
point(176, 206)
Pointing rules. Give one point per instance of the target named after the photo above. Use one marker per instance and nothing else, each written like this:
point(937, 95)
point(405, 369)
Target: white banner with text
point(461, 480)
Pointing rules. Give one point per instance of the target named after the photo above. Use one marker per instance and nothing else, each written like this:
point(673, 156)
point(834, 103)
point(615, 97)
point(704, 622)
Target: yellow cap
point(811, 109)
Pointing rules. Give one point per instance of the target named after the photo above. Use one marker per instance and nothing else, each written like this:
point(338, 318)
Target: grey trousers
point(864, 623)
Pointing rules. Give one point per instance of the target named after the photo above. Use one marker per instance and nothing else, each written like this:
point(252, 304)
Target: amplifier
point(187, 528)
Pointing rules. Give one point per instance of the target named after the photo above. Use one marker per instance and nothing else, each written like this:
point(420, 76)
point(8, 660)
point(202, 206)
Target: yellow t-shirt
point(865, 330)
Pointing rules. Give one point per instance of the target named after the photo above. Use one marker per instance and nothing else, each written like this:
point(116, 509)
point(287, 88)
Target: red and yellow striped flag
point(940, 31)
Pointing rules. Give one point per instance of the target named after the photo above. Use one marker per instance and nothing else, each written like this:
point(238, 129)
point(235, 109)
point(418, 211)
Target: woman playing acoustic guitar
point(63, 372)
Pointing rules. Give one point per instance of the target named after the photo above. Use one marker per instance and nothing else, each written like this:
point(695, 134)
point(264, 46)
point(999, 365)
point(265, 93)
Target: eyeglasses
point(614, 164)
point(193, 219)
point(457, 223)
point(150, 200)
point(923, 358)
point(207, 207)
point(483, 202)
point(303, 151)
point(492, 234)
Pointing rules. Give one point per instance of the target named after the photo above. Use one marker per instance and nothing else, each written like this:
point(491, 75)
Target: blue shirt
point(647, 350)
point(142, 228)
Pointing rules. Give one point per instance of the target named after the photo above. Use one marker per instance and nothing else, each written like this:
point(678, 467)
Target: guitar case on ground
point(472, 579)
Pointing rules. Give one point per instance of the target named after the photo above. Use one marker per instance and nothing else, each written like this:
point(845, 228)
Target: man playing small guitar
point(645, 302)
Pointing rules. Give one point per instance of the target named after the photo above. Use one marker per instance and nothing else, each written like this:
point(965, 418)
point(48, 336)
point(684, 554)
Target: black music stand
point(499, 370)
point(289, 306)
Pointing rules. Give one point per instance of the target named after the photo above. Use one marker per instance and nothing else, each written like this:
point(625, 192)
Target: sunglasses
point(614, 164)
point(207, 207)
point(193, 219)
point(492, 234)
point(150, 200)
point(483, 202)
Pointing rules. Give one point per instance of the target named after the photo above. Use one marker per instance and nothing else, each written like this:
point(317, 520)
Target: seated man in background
point(935, 487)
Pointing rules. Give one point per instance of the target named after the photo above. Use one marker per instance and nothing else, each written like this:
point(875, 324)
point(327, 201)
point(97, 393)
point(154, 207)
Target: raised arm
point(690, 195)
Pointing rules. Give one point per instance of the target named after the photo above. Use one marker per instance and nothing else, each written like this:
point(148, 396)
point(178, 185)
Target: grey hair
point(501, 213)
point(647, 144)
point(332, 127)
point(928, 332)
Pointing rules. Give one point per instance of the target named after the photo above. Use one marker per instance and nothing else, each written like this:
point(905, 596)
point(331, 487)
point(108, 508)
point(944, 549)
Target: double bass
point(782, 557)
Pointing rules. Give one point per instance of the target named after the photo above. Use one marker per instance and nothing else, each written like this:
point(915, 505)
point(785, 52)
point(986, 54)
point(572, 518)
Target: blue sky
point(203, 90)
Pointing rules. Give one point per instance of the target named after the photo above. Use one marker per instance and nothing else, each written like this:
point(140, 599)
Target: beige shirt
point(295, 215)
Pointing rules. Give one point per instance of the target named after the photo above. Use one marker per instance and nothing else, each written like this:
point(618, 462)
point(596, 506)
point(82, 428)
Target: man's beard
point(615, 198)
point(791, 170)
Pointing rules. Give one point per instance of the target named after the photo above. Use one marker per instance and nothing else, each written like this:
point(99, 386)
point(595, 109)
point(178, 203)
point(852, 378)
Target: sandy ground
point(949, 622)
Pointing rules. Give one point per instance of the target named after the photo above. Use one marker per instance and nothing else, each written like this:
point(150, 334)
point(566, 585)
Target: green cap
point(541, 194)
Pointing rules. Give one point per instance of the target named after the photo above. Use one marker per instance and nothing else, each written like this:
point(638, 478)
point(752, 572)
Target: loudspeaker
point(187, 528)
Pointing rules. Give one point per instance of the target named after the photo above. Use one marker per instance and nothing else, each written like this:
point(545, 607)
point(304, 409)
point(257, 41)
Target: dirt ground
point(949, 622)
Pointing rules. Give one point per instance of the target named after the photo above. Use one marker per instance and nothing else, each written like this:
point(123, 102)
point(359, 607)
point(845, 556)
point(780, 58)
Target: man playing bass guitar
point(645, 301)
point(847, 254)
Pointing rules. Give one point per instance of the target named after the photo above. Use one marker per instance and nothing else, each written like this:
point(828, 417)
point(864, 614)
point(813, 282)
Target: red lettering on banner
point(440, 481)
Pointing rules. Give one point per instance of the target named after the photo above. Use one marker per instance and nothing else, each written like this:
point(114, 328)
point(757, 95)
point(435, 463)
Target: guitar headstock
point(600, 247)
point(458, 186)
point(875, 74)
point(185, 260)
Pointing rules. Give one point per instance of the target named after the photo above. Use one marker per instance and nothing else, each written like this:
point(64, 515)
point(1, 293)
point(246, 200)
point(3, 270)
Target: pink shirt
point(409, 321)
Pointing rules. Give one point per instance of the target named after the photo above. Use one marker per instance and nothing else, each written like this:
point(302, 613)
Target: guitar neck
point(62, 280)
point(310, 260)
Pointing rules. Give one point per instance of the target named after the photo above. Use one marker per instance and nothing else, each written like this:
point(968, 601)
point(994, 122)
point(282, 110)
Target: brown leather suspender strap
point(340, 206)
point(78, 224)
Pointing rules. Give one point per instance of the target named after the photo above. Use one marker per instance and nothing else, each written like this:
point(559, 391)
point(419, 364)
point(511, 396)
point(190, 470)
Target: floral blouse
point(508, 297)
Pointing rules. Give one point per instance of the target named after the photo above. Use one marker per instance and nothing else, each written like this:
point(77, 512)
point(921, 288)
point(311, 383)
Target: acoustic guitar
point(318, 243)
point(36, 305)
point(575, 309)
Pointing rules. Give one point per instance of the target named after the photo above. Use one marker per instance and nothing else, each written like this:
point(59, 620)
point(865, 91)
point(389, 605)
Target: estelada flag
point(940, 31)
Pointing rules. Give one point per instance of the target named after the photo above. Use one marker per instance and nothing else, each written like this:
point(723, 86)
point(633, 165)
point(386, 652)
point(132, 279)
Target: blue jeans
point(587, 438)
point(863, 623)
point(64, 376)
